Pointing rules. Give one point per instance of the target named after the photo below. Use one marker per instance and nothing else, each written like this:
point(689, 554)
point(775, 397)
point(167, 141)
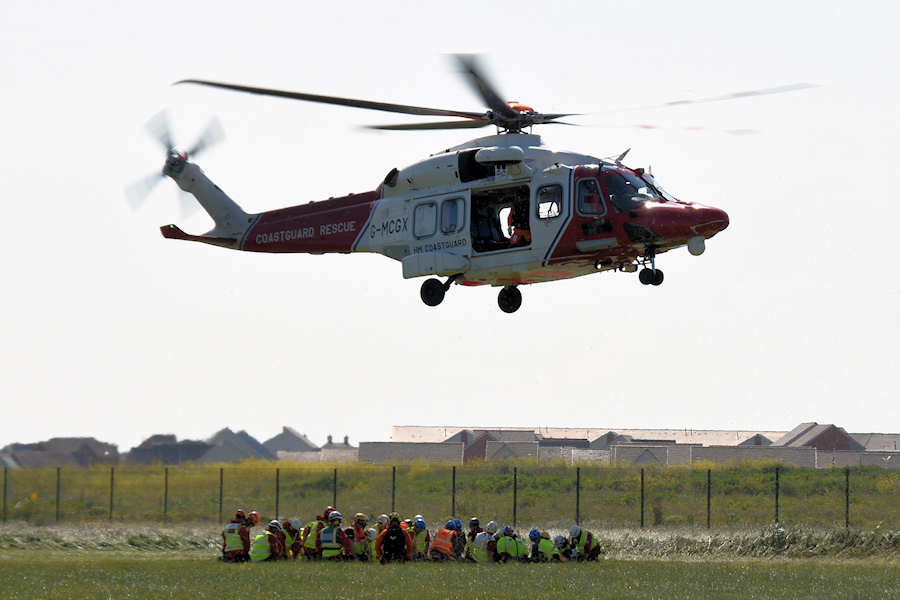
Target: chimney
point(346, 440)
point(329, 439)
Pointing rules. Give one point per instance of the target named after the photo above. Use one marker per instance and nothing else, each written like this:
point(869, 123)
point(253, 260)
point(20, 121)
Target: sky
point(111, 331)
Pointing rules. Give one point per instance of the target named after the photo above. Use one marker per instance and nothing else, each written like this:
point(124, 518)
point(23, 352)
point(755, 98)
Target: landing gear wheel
point(432, 292)
point(509, 299)
point(646, 276)
point(657, 278)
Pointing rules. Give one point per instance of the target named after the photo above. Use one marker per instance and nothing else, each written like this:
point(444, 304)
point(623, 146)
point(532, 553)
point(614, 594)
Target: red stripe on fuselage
point(327, 226)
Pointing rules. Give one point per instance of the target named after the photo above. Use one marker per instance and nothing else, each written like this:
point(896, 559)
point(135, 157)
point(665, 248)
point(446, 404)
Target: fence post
point(112, 479)
point(847, 497)
point(393, 487)
point(277, 491)
point(334, 489)
point(515, 493)
point(708, 495)
point(58, 469)
point(452, 494)
point(642, 498)
point(221, 489)
point(165, 492)
point(5, 478)
point(777, 483)
point(578, 495)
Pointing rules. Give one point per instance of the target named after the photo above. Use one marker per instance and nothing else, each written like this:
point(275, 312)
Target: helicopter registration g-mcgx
point(502, 210)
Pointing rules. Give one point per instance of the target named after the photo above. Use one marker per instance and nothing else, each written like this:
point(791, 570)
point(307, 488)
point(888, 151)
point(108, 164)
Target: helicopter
point(502, 210)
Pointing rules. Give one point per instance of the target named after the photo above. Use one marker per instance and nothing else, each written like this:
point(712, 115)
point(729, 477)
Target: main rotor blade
point(212, 135)
point(472, 124)
point(488, 93)
point(384, 106)
point(782, 89)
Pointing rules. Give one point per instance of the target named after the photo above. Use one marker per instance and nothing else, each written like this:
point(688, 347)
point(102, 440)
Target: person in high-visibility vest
point(292, 542)
point(372, 538)
point(236, 539)
point(542, 549)
point(311, 548)
point(421, 538)
point(395, 543)
point(446, 543)
point(483, 548)
point(266, 546)
point(584, 545)
point(510, 547)
point(562, 545)
point(333, 543)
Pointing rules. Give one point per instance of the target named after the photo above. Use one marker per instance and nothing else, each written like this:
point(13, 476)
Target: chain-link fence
point(522, 493)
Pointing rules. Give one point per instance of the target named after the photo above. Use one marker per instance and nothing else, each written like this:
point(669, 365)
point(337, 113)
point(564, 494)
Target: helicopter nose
point(709, 221)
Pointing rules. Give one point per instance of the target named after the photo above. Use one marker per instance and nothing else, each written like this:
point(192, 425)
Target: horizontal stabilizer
point(173, 232)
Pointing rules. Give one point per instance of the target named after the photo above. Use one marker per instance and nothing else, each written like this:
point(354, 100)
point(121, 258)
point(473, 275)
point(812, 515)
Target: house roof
point(243, 441)
point(564, 442)
point(757, 440)
point(331, 445)
point(290, 440)
point(883, 442)
point(793, 434)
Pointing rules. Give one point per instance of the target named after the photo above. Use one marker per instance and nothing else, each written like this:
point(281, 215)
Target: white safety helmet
point(383, 519)
point(415, 518)
point(273, 524)
point(371, 534)
point(491, 527)
point(295, 523)
point(574, 531)
point(335, 516)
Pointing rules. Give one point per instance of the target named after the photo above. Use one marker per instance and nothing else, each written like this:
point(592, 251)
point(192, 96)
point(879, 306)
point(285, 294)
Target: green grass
point(30, 574)
point(742, 494)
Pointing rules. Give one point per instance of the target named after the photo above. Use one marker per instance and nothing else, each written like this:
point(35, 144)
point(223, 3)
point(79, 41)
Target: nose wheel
point(509, 299)
point(651, 276)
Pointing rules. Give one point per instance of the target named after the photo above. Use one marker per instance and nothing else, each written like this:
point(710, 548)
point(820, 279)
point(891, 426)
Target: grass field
point(119, 560)
point(31, 574)
point(741, 495)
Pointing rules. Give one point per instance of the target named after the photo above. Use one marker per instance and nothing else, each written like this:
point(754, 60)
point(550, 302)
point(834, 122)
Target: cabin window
point(425, 220)
point(549, 201)
point(625, 190)
point(452, 215)
point(590, 201)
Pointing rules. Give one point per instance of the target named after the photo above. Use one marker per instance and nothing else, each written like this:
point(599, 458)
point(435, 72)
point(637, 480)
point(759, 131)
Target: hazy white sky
point(109, 330)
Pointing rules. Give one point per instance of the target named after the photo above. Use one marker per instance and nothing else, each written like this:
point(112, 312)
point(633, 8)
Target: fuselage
point(499, 210)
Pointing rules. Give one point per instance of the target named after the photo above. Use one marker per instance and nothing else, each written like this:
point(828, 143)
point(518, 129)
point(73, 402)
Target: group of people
point(392, 539)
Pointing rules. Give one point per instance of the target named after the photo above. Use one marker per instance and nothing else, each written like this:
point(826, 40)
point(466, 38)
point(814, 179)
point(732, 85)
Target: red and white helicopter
point(502, 210)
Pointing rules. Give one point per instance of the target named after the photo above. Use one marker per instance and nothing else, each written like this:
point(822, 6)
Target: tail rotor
point(158, 127)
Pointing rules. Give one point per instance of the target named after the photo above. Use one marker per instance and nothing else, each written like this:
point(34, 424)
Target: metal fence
point(535, 492)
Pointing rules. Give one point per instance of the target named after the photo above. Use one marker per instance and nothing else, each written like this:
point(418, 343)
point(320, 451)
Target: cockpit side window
point(627, 191)
point(590, 201)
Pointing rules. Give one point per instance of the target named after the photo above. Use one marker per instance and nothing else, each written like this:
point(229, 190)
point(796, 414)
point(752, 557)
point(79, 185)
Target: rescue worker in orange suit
point(293, 545)
point(394, 544)
point(446, 544)
point(359, 541)
point(520, 230)
point(236, 538)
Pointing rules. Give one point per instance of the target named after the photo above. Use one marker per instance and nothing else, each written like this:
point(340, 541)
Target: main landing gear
point(651, 276)
point(433, 291)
